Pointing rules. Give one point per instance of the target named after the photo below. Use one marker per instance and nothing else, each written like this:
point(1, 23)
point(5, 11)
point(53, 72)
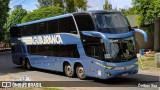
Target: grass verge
point(146, 62)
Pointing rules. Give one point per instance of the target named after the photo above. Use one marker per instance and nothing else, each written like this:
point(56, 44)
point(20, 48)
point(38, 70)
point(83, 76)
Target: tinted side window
point(67, 25)
point(42, 28)
point(32, 49)
point(84, 22)
point(68, 51)
point(33, 29)
point(54, 50)
point(15, 32)
point(25, 30)
point(46, 50)
point(52, 26)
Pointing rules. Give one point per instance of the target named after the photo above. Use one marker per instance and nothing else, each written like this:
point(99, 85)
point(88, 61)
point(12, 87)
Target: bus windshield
point(122, 49)
point(112, 23)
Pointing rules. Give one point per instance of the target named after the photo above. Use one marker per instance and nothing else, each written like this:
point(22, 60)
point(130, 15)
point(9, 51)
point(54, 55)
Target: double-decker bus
point(96, 44)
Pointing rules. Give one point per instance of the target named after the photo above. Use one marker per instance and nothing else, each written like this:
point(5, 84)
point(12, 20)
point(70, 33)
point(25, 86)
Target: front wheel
point(80, 72)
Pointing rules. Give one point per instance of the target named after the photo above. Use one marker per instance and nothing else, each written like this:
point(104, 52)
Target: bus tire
point(68, 70)
point(80, 72)
point(28, 65)
point(23, 63)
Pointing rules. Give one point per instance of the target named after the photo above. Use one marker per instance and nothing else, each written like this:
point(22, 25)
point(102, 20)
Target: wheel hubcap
point(81, 72)
point(69, 70)
point(23, 64)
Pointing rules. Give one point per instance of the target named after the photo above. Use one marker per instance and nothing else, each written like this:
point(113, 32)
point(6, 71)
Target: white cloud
point(121, 3)
point(29, 5)
point(95, 4)
point(98, 4)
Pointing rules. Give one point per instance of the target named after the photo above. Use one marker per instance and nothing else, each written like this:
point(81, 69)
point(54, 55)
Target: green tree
point(3, 16)
point(49, 3)
point(43, 13)
point(148, 10)
point(107, 6)
point(129, 11)
point(81, 4)
point(14, 18)
point(68, 5)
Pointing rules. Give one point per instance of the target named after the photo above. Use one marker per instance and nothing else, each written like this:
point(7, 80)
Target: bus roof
point(97, 11)
point(66, 15)
point(46, 19)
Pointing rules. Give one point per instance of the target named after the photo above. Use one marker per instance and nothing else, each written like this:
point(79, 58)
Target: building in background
point(17, 7)
point(149, 45)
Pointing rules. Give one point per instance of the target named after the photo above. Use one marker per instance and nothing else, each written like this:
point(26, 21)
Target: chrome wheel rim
point(81, 72)
point(69, 71)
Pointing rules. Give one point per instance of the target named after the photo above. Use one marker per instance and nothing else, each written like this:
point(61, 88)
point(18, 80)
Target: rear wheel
point(80, 72)
point(68, 70)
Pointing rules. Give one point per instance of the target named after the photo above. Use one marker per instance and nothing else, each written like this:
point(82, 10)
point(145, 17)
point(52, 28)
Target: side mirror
point(142, 32)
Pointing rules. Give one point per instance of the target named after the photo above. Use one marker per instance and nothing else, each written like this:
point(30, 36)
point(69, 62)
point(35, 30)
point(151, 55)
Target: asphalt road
point(12, 72)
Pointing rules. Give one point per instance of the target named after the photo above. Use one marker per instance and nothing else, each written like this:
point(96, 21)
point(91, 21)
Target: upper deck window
point(42, 28)
point(15, 32)
point(67, 25)
point(53, 26)
point(84, 22)
point(112, 23)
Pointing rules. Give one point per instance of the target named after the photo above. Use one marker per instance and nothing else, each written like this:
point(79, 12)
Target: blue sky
point(30, 5)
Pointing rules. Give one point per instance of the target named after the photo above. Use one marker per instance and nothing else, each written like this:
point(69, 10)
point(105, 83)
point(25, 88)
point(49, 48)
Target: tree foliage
point(81, 4)
point(129, 11)
point(43, 13)
point(68, 5)
point(107, 6)
point(148, 10)
point(14, 18)
point(3, 16)
point(49, 3)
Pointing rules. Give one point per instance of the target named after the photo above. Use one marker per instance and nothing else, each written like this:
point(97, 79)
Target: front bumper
point(120, 73)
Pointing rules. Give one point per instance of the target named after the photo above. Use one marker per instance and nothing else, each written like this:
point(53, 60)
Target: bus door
point(95, 52)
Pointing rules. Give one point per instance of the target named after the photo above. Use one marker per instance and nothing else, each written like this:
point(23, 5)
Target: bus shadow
point(49, 71)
